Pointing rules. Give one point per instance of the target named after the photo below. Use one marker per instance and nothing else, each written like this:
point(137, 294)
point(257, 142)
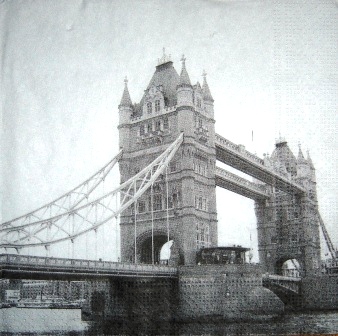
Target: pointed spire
point(126, 100)
point(206, 91)
point(300, 158)
point(309, 160)
point(198, 86)
point(184, 77)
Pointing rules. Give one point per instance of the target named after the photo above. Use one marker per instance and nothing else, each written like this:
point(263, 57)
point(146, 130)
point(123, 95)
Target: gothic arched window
point(157, 106)
point(157, 202)
point(158, 125)
point(157, 198)
point(149, 107)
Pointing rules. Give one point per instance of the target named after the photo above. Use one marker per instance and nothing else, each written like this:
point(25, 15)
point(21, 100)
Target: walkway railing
point(238, 148)
point(267, 174)
point(256, 188)
point(13, 259)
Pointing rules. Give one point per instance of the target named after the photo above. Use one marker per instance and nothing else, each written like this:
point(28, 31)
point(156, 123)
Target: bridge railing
point(282, 277)
point(283, 282)
point(13, 259)
point(238, 148)
point(262, 189)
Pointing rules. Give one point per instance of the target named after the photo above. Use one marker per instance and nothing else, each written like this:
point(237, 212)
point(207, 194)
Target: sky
point(271, 69)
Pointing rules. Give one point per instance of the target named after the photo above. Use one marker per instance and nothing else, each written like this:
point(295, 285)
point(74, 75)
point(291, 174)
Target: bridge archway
point(289, 266)
point(144, 246)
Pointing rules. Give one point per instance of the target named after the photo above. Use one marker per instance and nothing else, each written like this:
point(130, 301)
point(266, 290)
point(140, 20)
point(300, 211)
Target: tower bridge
point(167, 161)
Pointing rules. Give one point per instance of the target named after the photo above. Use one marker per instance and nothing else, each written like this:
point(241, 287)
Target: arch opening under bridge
point(290, 267)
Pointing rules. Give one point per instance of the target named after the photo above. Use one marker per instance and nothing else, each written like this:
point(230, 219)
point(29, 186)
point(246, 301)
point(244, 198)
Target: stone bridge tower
point(288, 228)
point(187, 203)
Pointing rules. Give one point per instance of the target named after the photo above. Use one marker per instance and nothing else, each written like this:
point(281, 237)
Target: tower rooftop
point(164, 59)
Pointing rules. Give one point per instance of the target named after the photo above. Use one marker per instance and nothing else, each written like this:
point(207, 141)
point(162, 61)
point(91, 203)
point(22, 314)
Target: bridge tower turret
point(170, 105)
point(287, 222)
point(306, 176)
point(125, 112)
point(207, 97)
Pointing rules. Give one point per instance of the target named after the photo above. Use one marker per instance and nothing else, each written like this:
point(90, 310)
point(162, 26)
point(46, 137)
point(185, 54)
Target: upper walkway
point(237, 157)
point(239, 185)
point(14, 266)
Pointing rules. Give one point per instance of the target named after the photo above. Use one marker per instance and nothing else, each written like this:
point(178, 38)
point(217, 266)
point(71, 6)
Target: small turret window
point(157, 106)
point(149, 108)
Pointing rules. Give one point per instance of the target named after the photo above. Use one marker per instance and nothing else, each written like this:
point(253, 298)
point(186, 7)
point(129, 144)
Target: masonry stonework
point(288, 226)
point(184, 209)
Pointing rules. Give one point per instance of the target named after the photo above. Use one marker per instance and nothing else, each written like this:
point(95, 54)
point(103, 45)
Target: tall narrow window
point(200, 203)
point(157, 202)
point(166, 123)
point(157, 106)
point(149, 107)
point(172, 166)
point(149, 128)
point(175, 200)
point(170, 202)
point(142, 130)
point(141, 207)
point(158, 125)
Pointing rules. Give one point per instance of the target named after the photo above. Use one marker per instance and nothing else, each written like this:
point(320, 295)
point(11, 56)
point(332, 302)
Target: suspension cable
point(116, 233)
point(135, 228)
point(87, 245)
point(61, 230)
point(94, 179)
point(96, 232)
point(152, 222)
point(167, 189)
point(73, 240)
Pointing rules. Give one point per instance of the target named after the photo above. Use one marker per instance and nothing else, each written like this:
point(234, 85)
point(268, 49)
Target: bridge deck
point(31, 267)
point(239, 185)
point(237, 157)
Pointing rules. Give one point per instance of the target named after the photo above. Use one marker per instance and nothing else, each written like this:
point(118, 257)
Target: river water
point(288, 324)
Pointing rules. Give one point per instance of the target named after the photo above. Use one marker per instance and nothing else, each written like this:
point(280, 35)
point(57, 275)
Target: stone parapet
point(320, 292)
point(225, 292)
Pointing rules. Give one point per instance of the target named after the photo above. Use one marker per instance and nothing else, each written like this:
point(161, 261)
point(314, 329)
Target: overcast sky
point(272, 68)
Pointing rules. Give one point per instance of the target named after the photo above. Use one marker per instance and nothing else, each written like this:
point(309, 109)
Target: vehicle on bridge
point(222, 255)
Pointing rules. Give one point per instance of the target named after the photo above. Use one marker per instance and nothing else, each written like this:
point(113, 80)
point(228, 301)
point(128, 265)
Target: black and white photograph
point(168, 167)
